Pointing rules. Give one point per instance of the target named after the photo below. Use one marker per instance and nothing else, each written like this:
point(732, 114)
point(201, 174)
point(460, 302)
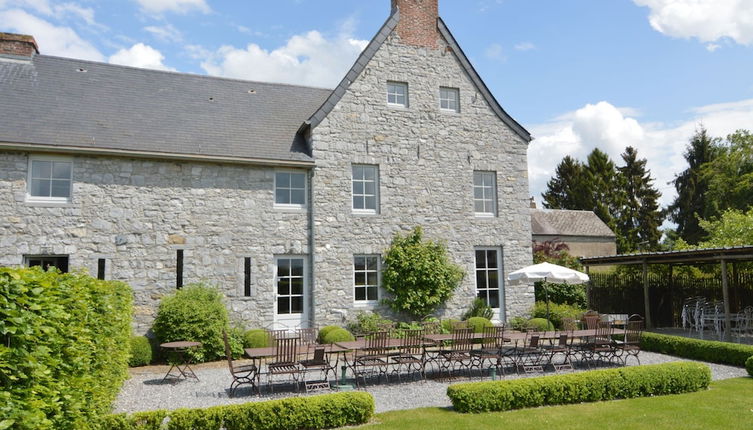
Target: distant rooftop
point(560, 222)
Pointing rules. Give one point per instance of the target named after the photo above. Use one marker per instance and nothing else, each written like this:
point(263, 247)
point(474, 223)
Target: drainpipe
point(312, 251)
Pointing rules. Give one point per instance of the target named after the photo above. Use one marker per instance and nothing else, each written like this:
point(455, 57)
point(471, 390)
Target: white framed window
point(485, 193)
point(366, 278)
point(489, 277)
point(365, 186)
point(290, 189)
point(397, 94)
point(449, 99)
point(50, 179)
point(291, 283)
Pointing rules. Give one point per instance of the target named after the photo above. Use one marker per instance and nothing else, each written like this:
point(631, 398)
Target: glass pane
point(360, 293)
point(488, 180)
point(478, 193)
point(493, 298)
point(40, 187)
point(283, 180)
point(41, 169)
point(370, 203)
point(360, 278)
point(283, 286)
point(296, 267)
point(493, 279)
point(357, 187)
point(296, 286)
point(283, 305)
point(480, 279)
point(370, 188)
point(371, 278)
point(372, 262)
point(61, 189)
point(373, 293)
point(400, 100)
point(61, 170)
point(283, 267)
point(480, 259)
point(282, 196)
point(477, 179)
point(491, 257)
point(357, 172)
point(297, 197)
point(369, 173)
point(391, 98)
point(358, 202)
point(359, 263)
point(298, 180)
point(478, 206)
point(296, 305)
point(481, 294)
point(489, 206)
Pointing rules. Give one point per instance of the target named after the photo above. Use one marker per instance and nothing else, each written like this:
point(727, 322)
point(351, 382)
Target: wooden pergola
point(687, 257)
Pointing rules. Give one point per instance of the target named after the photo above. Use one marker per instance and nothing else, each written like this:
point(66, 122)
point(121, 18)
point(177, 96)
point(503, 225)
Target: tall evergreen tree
point(730, 174)
point(691, 202)
point(567, 189)
point(603, 183)
point(640, 217)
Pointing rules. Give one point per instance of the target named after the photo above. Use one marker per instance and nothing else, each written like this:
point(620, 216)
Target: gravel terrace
point(145, 390)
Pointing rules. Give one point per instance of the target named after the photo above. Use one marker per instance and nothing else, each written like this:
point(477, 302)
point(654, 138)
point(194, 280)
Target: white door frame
point(291, 321)
point(499, 312)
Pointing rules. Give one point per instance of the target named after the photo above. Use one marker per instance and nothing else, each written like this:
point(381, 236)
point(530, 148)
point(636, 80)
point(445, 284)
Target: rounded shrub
point(256, 338)
point(749, 365)
point(338, 335)
point(325, 330)
point(448, 323)
point(195, 313)
point(478, 324)
point(540, 324)
point(141, 351)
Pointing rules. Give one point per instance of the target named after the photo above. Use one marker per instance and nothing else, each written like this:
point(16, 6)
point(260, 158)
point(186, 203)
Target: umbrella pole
point(546, 295)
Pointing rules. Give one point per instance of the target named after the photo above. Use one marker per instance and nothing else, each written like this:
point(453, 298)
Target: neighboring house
point(582, 231)
point(285, 196)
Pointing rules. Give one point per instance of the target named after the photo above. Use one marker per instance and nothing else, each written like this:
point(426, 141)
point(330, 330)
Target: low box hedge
point(315, 412)
point(697, 349)
point(592, 386)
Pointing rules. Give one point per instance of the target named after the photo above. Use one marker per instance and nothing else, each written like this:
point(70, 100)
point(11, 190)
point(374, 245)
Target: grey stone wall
point(426, 159)
point(136, 213)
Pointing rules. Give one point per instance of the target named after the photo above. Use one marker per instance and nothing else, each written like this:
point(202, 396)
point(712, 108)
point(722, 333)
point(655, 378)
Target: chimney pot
point(418, 22)
point(18, 46)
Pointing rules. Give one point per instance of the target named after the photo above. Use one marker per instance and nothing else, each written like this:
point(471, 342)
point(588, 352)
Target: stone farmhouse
point(284, 196)
point(584, 233)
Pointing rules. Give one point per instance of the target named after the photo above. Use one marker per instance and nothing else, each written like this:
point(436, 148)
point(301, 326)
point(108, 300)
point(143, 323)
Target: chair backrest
point(228, 352)
point(307, 335)
point(604, 330)
point(286, 350)
point(494, 337)
point(278, 334)
point(533, 339)
point(459, 324)
point(319, 355)
point(431, 327)
point(462, 339)
point(633, 330)
point(413, 342)
point(569, 324)
point(564, 338)
point(376, 343)
point(591, 321)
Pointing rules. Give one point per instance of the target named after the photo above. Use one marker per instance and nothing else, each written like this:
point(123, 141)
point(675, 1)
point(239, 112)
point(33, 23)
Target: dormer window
point(449, 99)
point(397, 94)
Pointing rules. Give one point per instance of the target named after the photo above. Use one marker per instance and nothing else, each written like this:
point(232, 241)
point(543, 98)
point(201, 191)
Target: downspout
point(312, 243)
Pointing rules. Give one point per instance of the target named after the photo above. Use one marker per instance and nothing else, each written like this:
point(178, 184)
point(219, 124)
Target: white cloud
point(494, 52)
point(140, 55)
point(524, 46)
point(177, 6)
point(166, 33)
point(306, 59)
point(604, 126)
point(52, 39)
point(705, 20)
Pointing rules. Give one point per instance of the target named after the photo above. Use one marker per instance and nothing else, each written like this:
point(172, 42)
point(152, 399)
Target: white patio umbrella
point(547, 272)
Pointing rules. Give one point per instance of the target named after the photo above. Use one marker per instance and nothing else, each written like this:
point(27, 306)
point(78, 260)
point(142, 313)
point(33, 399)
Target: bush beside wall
point(141, 351)
point(749, 365)
point(64, 347)
point(315, 412)
point(696, 349)
point(593, 386)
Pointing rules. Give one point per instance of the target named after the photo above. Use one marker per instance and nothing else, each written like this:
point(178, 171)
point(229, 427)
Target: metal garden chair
point(286, 361)
point(245, 374)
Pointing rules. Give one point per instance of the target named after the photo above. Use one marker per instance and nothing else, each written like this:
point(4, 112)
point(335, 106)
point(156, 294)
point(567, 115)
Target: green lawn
point(725, 405)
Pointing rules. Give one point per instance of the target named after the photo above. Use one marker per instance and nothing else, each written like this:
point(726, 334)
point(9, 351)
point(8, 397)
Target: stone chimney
point(533, 203)
point(418, 22)
point(19, 46)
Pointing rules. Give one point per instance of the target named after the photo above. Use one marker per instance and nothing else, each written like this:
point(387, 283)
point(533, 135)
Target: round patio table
point(182, 361)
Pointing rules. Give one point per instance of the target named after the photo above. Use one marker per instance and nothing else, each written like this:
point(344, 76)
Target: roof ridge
point(171, 72)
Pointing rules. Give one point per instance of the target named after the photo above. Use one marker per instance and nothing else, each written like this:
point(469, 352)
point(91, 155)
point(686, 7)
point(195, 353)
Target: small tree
point(418, 274)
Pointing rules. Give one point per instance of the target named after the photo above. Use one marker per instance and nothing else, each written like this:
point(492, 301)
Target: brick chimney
point(18, 46)
point(418, 22)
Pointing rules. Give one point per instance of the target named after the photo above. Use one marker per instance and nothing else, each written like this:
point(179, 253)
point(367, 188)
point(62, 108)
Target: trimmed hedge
point(593, 386)
point(697, 349)
point(315, 412)
point(326, 329)
point(339, 335)
point(141, 351)
point(64, 347)
point(749, 365)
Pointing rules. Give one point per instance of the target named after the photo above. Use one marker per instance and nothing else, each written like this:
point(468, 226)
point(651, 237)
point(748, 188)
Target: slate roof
point(556, 222)
point(63, 102)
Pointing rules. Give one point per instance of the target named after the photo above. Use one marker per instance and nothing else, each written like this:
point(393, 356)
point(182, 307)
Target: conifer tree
point(640, 218)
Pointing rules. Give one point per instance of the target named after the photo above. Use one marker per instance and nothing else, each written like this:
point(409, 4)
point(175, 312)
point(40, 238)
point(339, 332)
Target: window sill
point(448, 112)
point(290, 208)
point(484, 215)
point(366, 304)
point(49, 203)
point(397, 107)
point(364, 213)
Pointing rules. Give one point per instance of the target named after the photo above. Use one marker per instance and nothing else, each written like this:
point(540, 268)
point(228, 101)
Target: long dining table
point(257, 355)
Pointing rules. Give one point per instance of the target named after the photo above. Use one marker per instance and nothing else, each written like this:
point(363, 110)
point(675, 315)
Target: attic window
point(397, 94)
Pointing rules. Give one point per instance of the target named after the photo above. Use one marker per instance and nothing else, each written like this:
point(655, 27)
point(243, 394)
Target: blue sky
point(577, 73)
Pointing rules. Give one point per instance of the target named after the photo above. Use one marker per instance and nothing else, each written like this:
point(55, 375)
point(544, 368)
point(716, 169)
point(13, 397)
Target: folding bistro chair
point(562, 346)
point(286, 361)
point(601, 346)
point(530, 354)
point(630, 346)
point(245, 374)
point(412, 355)
point(491, 348)
point(320, 363)
point(458, 354)
point(373, 359)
